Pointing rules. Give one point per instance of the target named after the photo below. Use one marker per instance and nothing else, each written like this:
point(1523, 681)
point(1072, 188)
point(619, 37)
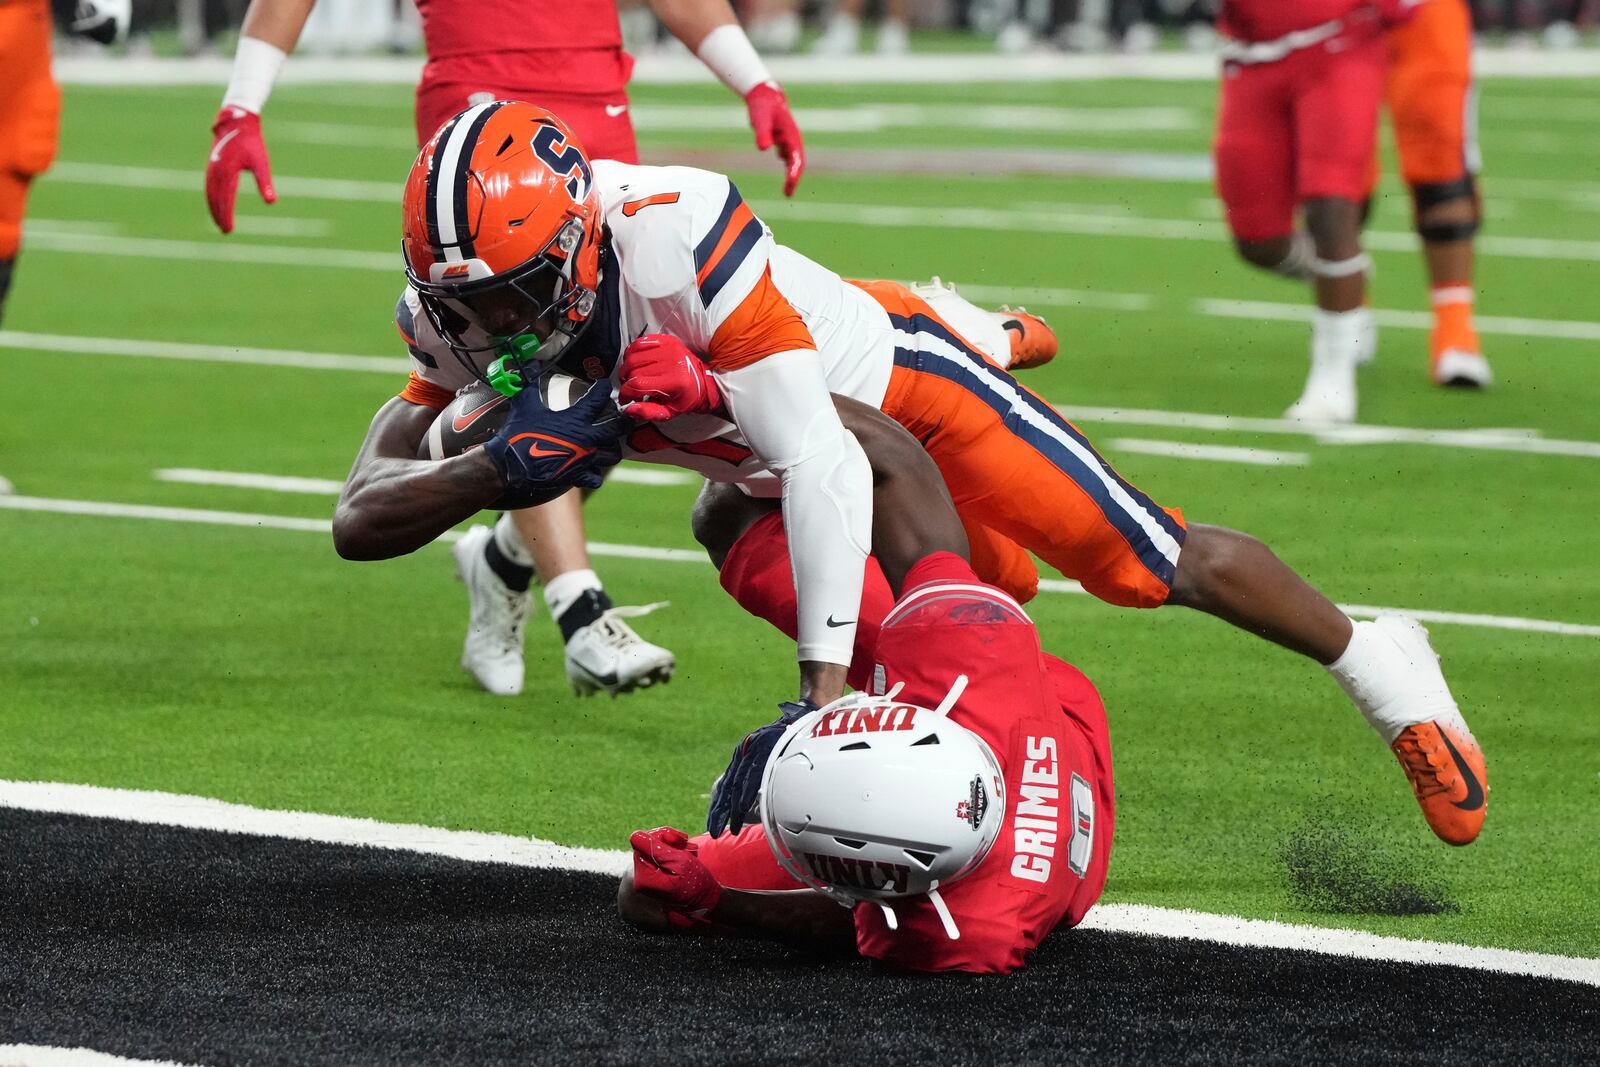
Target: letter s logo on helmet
point(501, 234)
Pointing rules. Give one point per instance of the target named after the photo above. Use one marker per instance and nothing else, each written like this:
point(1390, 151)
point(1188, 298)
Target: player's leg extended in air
point(1297, 133)
point(1022, 477)
point(1433, 104)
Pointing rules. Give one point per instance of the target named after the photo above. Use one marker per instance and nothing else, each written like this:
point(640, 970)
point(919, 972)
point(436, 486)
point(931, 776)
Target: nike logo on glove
point(613, 110)
point(1474, 798)
point(563, 448)
point(216, 149)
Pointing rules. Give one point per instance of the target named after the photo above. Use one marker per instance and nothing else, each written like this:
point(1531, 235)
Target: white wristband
point(731, 57)
point(255, 68)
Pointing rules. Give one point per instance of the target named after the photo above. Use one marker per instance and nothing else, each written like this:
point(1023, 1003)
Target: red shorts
point(1298, 129)
point(599, 117)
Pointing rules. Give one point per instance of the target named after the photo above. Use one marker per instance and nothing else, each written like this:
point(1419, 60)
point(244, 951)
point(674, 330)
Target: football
point(476, 415)
point(477, 412)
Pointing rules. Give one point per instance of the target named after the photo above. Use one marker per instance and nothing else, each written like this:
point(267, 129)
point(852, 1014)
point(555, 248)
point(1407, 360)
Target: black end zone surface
point(218, 949)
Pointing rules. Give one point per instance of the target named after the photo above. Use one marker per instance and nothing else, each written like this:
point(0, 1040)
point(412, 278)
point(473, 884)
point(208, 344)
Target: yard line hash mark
point(103, 509)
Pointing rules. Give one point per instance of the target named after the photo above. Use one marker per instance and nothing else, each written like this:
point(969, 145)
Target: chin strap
point(957, 687)
point(939, 906)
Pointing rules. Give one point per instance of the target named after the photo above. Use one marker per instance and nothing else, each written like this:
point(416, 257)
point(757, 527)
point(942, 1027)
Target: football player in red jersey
point(1297, 131)
point(567, 57)
point(968, 798)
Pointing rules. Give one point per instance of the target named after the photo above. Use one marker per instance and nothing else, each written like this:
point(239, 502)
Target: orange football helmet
point(502, 235)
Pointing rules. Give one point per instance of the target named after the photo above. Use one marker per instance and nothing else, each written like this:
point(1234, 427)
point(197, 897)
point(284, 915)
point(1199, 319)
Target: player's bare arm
point(394, 503)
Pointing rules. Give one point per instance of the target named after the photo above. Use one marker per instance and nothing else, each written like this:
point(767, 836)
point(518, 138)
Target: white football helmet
point(871, 798)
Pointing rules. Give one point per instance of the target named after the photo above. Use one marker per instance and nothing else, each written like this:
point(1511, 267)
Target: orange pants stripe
point(1018, 471)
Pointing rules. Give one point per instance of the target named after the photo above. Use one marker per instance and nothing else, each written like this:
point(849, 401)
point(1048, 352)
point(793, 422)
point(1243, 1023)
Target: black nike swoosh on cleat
point(1474, 798)
point(847, 622)
point(1016, 324)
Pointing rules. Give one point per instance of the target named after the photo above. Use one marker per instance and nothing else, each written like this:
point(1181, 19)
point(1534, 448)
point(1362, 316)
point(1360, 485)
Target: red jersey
point(573, 46)
point(1046, 726)
point(1268, 20)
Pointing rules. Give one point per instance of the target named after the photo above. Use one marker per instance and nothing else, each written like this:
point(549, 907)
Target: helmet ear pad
point(872, 799)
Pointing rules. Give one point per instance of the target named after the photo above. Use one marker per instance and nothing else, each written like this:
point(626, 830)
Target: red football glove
point(667, 868)
point(774, 125)
point(661, 379)
point(236, 146)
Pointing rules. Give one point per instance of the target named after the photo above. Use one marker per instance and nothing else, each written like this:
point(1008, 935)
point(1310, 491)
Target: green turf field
point(253, 665)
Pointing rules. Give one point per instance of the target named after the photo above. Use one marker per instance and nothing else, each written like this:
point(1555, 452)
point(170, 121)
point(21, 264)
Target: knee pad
point(1431, 194)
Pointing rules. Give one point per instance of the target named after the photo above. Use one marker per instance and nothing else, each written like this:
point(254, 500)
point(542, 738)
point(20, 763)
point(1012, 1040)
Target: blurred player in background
point(1297, 132)
point(1433, 103)
point(973, 791)
point(568, 57)
point(30, 101)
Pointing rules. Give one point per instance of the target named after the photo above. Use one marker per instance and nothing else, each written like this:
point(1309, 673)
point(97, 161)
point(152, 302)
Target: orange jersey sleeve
point(419, 390)
point(763, 324)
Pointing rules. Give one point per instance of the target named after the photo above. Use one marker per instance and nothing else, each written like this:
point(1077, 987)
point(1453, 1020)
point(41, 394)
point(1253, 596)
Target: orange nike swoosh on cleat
point(460, 423)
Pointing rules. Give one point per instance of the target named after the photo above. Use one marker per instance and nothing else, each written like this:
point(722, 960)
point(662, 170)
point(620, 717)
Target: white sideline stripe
point(52, 1056)
point(1260, 457)
point(201, 813)
point(1564, 329)
point(281, 226)
point(1352, 944)
point(207, 517)
point(1084, 223)
point(1494, 440)
point(280, 483)
point(104, 509)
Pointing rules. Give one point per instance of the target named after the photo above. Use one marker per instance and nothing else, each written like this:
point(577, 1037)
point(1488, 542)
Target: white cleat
point(608, 655)
point(1466, 370)
point(1337, 343)
point(492, 653)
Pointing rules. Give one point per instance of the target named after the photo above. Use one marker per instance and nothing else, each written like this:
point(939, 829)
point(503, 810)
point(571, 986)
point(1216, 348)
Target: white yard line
point(277, 483)
point(51, 1056)
point(281, 226)
point(1259, 457)
point(1489, 439)
point(1082, 223)
point(942, 69)
point(104, 509)
point(1561, 329)
point(202, 813)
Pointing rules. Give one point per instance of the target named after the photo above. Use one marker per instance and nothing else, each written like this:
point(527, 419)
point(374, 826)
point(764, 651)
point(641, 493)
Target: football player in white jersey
point(660, 282)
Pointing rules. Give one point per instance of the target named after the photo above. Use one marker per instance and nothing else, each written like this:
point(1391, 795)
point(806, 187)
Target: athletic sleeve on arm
point(419, 390)
point(782, 407)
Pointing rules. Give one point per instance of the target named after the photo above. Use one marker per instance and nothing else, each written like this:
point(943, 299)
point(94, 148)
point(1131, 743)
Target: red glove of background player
point(774, 125)
point(661, 379)
point(666, 867)
point(236, 146)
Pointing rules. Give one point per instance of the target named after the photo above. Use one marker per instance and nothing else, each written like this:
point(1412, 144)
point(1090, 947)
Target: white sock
point(562, 591)
point(1340, 334)
point(1390, 689)
point(509, 541)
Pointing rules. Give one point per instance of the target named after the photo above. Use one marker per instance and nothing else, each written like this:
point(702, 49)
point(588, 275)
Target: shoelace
point(1427, 766)
point(515, 607)
point(619, 634)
